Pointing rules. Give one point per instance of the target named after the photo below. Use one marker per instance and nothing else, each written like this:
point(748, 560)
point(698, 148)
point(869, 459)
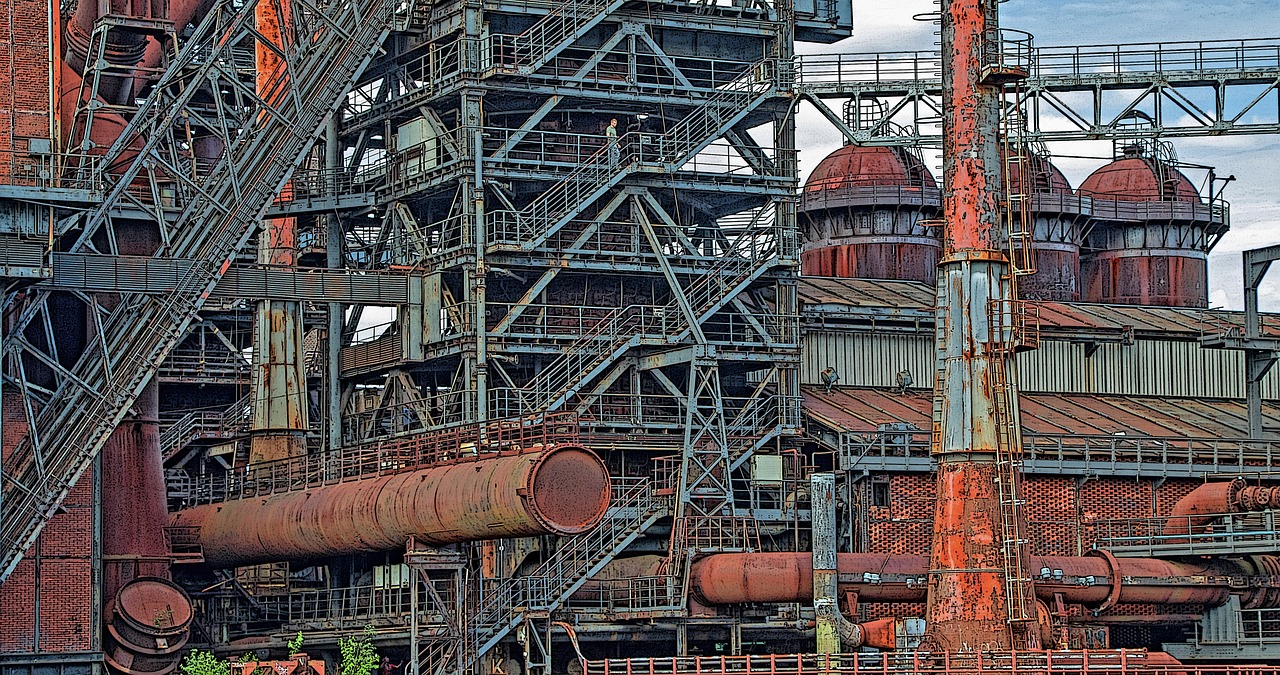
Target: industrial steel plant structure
point(505, 330)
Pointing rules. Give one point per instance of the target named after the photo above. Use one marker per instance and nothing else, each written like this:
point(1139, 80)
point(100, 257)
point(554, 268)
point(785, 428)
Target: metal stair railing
point(216, 217)
point(628, 325)
point(566, 199)
point(568, 21)
point(634, 508)
point(191, 426)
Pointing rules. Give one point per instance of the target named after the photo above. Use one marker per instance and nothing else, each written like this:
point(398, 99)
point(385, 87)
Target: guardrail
point(462, 443)
point(1068, 62)
point(1243, 532)
point(1119, 662)
point(1102, 449)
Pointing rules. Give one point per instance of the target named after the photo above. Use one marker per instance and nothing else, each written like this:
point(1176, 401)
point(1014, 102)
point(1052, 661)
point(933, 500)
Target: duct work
point(1202, 506)
point(836, 633)
point(561, 491)
point(1097, 582)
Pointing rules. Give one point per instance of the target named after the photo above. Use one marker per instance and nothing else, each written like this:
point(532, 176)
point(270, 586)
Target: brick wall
point(1063, 519)
point(57, 572)
point(24, 87)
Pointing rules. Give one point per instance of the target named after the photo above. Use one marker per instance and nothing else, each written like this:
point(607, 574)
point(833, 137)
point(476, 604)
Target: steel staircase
point(266, 134)
point(534, 48)
point(565, 200)
point(627, 327)
point(503, 607)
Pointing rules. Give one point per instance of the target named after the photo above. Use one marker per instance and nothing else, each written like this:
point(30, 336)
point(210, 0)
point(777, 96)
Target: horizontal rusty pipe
point(562, 491)
point(739, 578)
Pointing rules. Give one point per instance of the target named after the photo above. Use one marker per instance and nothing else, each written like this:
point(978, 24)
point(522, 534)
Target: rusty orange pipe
point(561, 491)
point(1199, 507)
point(1202, 505)
point(728, 579)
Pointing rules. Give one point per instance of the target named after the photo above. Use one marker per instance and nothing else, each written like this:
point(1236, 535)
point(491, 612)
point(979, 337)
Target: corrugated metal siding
point(1054, 367)
point(1147, 368)
point(867, 359)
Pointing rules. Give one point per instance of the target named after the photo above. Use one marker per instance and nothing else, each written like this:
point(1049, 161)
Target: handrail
point(1104, 448)
point(1119, 662)
point(450, 445)
point(548, 586)
point(1074, 61)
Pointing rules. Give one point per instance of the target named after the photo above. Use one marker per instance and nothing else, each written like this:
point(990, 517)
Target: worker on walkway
point(611, 140)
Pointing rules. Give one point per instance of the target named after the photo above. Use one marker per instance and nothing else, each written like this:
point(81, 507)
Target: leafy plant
point(357, 652)
point(295, 645)
point(201, 662)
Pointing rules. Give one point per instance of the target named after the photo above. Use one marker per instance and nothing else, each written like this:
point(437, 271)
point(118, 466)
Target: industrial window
point(880, 493)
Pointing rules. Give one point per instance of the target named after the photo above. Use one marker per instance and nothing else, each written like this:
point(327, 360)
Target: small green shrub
point(357, 652)
point(201, 662)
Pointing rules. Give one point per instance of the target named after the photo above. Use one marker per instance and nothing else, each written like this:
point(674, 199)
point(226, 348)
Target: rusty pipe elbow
point(1196, 511)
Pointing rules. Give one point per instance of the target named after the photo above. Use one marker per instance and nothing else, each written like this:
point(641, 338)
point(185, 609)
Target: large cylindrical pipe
point(1202, 505)
point(564, 490)
point(728, 579)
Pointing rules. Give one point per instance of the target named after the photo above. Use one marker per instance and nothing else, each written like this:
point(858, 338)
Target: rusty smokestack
point(561, 491)
point(975, 593)
point(280, 415)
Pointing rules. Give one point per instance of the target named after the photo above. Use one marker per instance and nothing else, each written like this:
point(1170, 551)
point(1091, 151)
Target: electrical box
point(766, 469)
point(418, 147)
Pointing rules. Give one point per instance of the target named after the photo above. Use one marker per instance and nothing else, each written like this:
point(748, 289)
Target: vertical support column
point(823, 504)
point(279, 428)
point(334, 245)
point(477, 274)
point(968, 597)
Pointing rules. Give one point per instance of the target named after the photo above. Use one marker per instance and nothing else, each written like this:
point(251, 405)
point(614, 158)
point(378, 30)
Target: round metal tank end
point(150, 620)
point(569, 490)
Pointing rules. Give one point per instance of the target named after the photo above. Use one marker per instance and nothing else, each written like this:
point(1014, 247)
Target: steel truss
point(75, 391)
point(1172, 89)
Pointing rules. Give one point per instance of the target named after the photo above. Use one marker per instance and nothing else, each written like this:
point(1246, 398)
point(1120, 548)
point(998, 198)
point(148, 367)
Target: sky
point(887, 25)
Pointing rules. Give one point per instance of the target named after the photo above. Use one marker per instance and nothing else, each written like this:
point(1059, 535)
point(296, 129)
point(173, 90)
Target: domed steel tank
point(1056, 225)
point(866, 213)
point(1151, 233)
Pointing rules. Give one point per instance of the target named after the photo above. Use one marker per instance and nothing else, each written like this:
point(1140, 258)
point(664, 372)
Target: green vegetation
point(201, 662)
point(295, 645)
point(358, 655)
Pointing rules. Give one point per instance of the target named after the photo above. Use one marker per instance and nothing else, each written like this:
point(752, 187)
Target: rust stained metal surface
point(148, 624)
point(564, 491)
point(741, 578)
point(279, 379)
point(877, 260)
point(1165, 277)
point(857, 409)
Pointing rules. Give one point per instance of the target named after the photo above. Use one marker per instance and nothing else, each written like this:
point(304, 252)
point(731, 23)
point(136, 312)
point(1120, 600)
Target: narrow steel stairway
point(536, 46)
point(215, 210)
point(626, 327)
point(564, 201)
point(635, 507)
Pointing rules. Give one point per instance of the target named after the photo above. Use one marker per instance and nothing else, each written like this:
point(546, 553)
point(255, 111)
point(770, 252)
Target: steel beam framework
point(1172, 89)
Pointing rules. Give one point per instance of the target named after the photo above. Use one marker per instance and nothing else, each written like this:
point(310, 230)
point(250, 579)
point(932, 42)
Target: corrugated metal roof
point(863, 409)
point(900, 296)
